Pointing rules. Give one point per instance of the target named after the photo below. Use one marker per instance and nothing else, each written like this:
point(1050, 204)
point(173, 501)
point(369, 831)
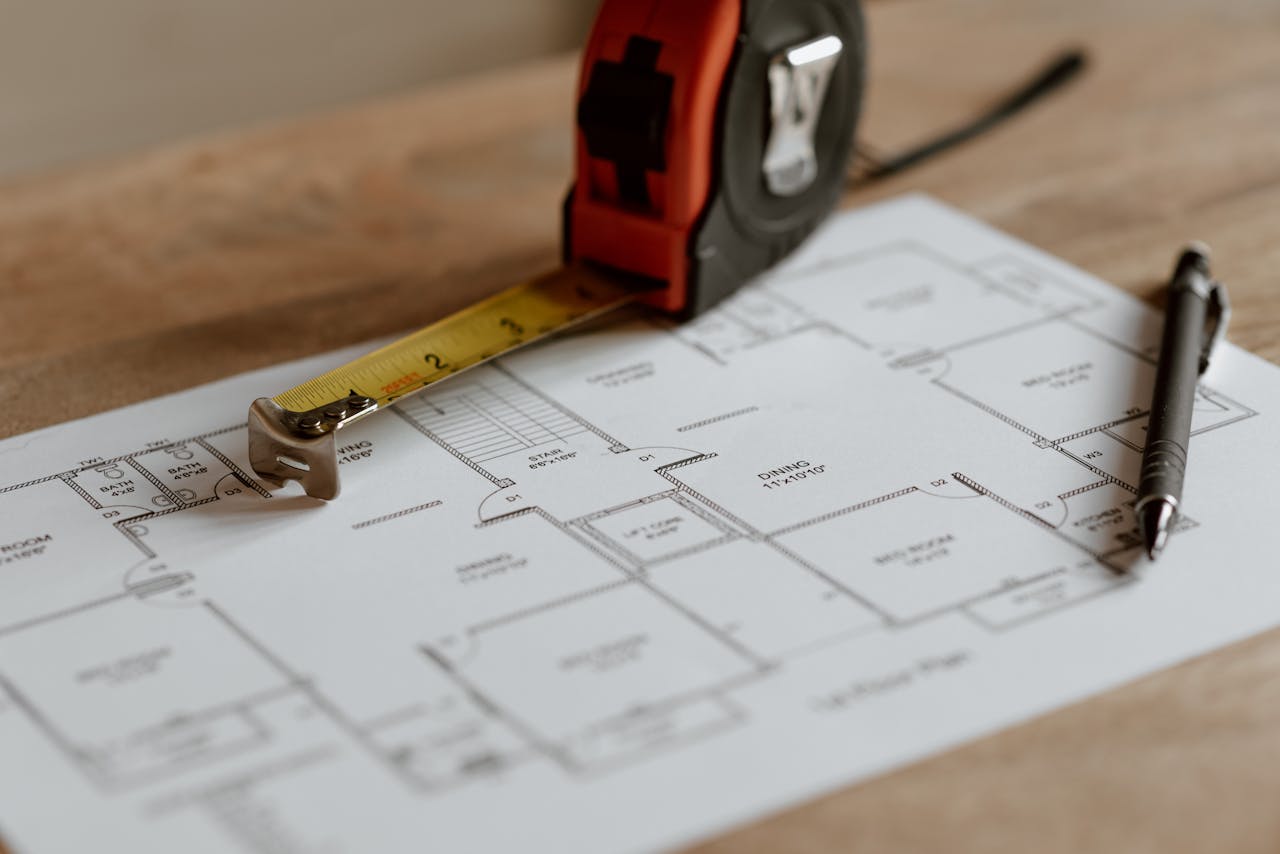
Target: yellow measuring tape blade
point(510, 319)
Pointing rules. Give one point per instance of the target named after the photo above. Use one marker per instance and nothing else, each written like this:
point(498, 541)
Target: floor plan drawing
point(644, 561)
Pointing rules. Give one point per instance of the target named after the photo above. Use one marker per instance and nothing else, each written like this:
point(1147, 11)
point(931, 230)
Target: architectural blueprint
point(627, 589)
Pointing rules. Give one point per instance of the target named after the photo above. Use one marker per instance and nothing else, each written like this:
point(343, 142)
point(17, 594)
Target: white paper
point(629, 589)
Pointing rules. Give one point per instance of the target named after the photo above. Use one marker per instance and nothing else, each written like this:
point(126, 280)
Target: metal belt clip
point(798, 81)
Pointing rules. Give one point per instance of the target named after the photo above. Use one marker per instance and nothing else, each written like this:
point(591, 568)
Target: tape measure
point(712, 138)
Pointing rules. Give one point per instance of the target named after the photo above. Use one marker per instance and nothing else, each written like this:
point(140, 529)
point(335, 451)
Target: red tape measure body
point(678, 102)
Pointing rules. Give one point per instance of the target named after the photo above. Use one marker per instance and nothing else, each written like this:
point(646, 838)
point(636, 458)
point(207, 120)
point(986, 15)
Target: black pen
point(1195, 321)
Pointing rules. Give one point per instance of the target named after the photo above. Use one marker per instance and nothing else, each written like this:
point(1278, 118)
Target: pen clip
point(1216, 320)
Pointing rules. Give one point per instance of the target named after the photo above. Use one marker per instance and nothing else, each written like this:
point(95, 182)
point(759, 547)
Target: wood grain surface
point(125, 280)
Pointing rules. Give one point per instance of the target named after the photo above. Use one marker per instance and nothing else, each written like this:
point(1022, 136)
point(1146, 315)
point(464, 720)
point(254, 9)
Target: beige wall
point(85, 78)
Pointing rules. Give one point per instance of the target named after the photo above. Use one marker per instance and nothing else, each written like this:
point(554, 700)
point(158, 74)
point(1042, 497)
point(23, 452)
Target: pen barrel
point(1164, 460)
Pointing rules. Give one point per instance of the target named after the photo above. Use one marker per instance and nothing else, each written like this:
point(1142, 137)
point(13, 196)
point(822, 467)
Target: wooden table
point(124, 280)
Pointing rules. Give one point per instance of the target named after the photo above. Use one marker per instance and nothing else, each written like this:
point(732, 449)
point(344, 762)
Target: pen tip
point(1153, 522)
